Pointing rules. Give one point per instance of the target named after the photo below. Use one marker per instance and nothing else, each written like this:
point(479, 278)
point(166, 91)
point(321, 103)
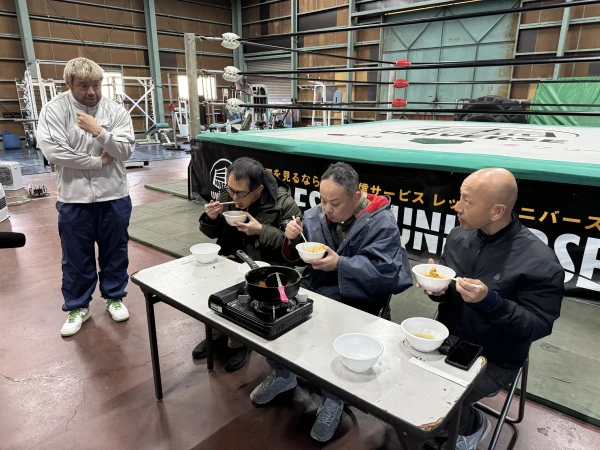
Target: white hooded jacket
point(81, 178)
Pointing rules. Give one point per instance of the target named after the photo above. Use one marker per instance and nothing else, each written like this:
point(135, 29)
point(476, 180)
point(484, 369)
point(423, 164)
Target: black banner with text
point(566, 217)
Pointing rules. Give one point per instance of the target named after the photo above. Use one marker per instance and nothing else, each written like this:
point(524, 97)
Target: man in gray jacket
point(89, 138)
point(365, 264)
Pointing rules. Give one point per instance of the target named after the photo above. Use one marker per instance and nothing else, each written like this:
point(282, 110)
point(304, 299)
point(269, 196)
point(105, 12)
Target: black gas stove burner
point(276, 310)
point(268, 321)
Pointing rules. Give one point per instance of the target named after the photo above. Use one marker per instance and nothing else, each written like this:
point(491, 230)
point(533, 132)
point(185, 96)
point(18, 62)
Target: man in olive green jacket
point(269, 207)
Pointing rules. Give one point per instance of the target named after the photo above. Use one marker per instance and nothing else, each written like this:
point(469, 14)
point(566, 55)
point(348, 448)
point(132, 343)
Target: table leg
point(410, 442)
point(209, 349)
point(453, 429)
point(150, 301)
point(189, 181)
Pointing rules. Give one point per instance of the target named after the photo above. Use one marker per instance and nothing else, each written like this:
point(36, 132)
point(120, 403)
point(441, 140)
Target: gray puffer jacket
point(372, 265)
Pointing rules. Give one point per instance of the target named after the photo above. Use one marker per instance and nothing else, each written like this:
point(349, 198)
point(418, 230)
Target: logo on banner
point(454, 134)
point(488, 133)
point(431, 141)
point(218, 176)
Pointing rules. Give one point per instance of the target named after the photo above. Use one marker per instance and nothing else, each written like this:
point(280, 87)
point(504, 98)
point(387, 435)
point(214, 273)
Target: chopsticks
point(302, 233)
point(229, 203)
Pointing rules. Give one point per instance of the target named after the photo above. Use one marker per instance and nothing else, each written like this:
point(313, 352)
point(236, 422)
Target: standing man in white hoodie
point(89, 138)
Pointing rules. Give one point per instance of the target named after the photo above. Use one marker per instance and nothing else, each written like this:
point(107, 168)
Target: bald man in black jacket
point(508, 291)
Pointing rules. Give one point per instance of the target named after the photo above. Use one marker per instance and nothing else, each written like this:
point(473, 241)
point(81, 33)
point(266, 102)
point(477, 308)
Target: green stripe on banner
point(300, 142)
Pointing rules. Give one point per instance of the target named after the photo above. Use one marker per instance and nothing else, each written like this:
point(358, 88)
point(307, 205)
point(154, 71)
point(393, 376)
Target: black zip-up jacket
point(528, 282)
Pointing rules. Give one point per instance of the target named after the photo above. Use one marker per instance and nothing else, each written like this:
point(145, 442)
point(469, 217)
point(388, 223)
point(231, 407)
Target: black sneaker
point(237, 359)
point(199, 351)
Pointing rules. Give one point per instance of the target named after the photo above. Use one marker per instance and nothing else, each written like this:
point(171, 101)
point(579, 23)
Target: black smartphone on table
point(463, 355)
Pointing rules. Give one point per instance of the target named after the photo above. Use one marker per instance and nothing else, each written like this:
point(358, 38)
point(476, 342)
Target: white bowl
point(205, 253)
point(306, 255)
point(424, 325)
point(433, 284)
point(358, 351)
point(234, 216)
point(244, 268)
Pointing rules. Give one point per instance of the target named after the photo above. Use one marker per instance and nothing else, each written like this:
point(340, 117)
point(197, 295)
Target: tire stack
point(503, 105)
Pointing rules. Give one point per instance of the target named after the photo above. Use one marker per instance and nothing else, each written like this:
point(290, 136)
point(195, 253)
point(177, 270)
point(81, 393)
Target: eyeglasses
point(239, 194)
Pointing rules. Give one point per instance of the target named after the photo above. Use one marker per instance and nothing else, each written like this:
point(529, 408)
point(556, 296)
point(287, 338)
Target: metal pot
point(265, 290)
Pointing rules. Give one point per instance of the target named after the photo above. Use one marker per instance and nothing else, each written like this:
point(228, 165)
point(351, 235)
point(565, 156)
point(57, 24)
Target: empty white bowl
point(358, 352)
point(234, 216)
point(306, 255)
point(243, 268)
point(205, 253)
point(433, 284)
point(424, 325)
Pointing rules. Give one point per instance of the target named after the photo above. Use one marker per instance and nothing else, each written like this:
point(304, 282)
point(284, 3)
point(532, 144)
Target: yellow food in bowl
point(315, 248)
point(435, 274)
point(235, 213)
point(425, 335)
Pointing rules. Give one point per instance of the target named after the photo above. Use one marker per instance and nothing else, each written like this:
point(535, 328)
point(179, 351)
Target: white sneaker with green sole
point(74, 321)
point(117, 310)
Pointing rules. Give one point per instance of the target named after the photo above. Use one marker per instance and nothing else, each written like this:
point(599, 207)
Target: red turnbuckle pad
point(400, 84)
point(399, 103)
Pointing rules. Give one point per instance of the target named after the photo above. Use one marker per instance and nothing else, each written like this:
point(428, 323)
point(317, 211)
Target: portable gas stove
point(268, 321)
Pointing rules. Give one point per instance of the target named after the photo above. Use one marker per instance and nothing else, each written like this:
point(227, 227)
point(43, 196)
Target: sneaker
point(200, 351)
point(328, 418)
point(471, 442)
point(117, 310)
point(74, 321)
point(238, 357)
point(271, 387)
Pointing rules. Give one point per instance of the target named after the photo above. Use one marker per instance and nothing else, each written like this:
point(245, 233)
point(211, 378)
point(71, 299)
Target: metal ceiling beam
point(562, 39)
point(154, 60)
point(407, 8)
point(294, 44)
point(191, 70)
point(26, 36)
point(109, 44)
point(429, 20)
point(123, 8)
point(236, 27)
point(558, 23)
point(350, 52)
point(212, 5)
point(93, 24)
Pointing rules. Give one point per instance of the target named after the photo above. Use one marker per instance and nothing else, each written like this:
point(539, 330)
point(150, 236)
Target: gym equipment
point(3, 205)
point(10, 175)
point(179, 118)
point(29, 90)
point(132, 163)
point(147, 99)
point(158, 132)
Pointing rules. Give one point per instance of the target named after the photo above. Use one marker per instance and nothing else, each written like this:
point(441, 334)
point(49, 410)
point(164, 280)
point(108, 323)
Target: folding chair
point(502, 416)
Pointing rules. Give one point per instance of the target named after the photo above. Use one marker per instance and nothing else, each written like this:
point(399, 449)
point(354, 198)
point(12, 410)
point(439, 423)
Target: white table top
point(393, 385)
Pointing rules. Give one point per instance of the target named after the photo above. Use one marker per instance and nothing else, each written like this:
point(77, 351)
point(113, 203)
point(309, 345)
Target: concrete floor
point(95, 390)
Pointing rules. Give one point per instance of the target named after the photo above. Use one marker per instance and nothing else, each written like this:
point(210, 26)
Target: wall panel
point(542, 41)
point(7, 5)
point(97, 24)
